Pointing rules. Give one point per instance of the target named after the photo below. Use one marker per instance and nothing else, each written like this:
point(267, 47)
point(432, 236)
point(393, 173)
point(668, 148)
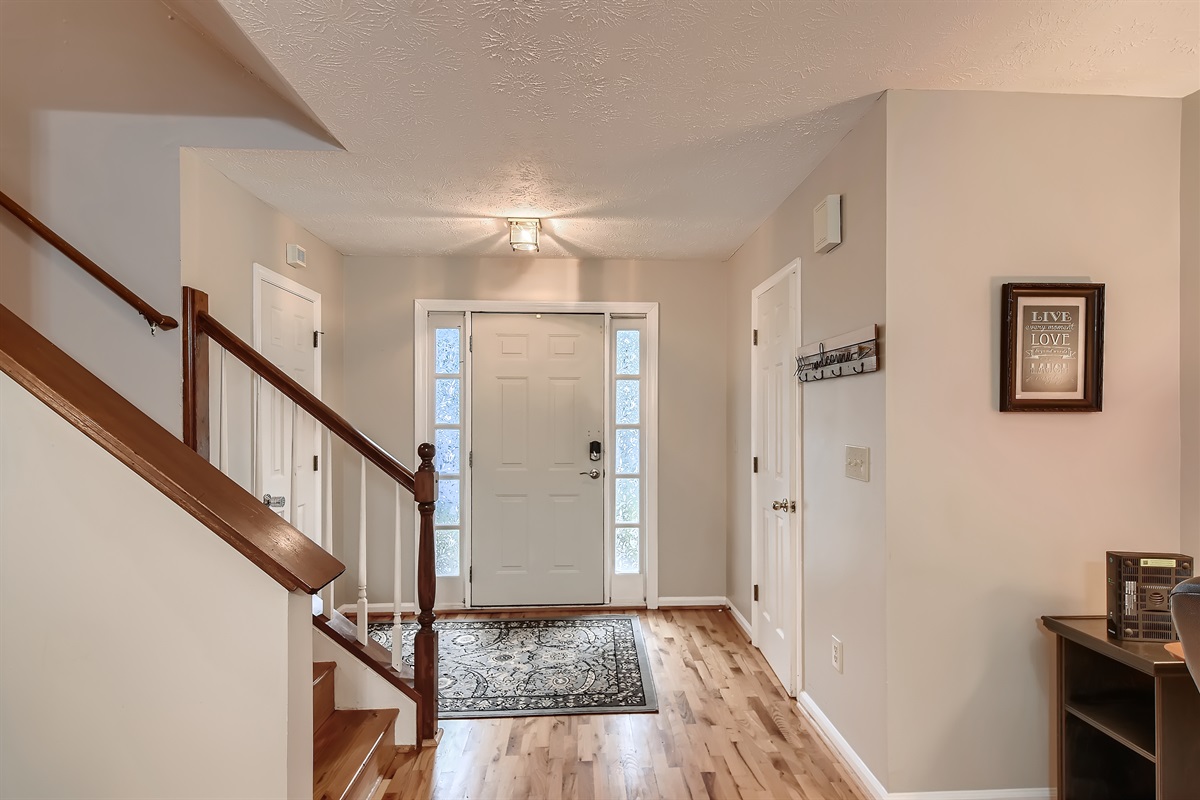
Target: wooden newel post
point(425, 646)
point(195, 372)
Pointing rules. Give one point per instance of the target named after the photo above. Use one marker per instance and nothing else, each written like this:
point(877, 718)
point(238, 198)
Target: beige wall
point(995, 519)
point(95, 101)
point(692, 458)
point(162, 660)
point(1189, 325)
point(225, 231)
point(843, 530)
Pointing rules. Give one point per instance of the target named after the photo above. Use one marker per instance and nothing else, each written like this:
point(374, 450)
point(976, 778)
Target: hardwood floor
point(724, 729)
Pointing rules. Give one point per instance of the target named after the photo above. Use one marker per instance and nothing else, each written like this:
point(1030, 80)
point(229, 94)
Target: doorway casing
point(613, 585)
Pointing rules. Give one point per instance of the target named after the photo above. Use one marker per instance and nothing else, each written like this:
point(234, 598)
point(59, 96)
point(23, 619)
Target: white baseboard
point(980, 794)
point(866, 779)
point(740, 620)
point(684, 602)
point(378, 608)
point(870, 785)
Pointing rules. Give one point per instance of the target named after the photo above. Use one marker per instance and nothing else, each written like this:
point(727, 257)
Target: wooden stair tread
point(343, 748)
point(321, 668)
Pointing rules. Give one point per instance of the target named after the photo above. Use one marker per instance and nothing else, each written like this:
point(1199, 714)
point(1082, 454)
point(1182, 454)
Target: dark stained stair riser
point(323, 675)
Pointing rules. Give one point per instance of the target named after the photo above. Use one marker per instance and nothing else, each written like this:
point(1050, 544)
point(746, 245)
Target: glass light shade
point(523, 234)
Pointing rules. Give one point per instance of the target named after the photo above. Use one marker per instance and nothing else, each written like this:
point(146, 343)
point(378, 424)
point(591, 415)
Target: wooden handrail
point(156, 318)
point(199, 328)
point(303, 398)
point(284, 553)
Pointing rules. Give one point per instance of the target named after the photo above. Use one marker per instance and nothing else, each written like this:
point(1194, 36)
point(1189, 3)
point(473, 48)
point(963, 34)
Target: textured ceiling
point(639, 128)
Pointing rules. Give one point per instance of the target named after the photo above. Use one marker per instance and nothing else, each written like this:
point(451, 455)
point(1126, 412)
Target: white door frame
point(797, 528)
point(267, 275)
point(422, 432)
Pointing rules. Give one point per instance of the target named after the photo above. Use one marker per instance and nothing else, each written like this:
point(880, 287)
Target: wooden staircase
point(351, 748)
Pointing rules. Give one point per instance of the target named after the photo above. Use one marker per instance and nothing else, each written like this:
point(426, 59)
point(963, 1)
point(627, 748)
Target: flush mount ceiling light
point(523, 234)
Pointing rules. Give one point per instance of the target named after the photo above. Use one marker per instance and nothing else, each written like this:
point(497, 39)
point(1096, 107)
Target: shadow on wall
point(98, 100)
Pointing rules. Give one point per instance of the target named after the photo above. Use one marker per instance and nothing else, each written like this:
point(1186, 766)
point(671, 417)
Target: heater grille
point(1139, 590)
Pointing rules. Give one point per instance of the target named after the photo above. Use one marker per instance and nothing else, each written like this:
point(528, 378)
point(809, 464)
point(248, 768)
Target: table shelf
point(1126, 717)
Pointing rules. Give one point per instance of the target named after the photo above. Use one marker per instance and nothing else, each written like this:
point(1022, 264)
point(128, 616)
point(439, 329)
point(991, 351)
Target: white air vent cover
point(827, 224)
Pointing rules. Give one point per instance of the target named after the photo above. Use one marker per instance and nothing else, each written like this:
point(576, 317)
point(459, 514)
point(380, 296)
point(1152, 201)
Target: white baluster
point(292, 515)
point(397, 639)
point(223, 431)
point(362, 553)
point(327, 514)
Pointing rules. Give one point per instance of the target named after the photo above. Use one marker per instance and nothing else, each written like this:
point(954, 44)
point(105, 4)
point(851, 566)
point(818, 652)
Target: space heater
point(1139, 592)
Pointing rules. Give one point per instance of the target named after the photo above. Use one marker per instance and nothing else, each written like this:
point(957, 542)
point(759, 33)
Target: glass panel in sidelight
point(628, 500)
point(629, 410)
point(629, 551)
point(629, 455)
point(629, 352)
point(446, 399)
point(448, 348)
point(446, 459)
point(446, 553)
point(447, 511)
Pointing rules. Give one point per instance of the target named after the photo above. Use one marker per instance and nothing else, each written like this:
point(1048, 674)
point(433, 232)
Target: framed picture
point(1051, 346)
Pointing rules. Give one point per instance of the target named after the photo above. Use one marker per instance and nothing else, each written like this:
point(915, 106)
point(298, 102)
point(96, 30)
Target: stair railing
point(199, 329)
point(157, 319)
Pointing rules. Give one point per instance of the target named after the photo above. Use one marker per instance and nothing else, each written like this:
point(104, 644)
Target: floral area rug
point(531, 667)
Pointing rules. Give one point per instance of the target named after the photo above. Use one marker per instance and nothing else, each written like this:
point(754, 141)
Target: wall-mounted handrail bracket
point(156, 319)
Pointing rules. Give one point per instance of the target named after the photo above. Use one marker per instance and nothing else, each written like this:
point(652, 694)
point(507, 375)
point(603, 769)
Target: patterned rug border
point(639, 645)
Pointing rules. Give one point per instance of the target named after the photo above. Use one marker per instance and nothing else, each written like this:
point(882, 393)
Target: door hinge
point(470, 574)
point(316, 338)
point(756, 465)
point(756, 336)
point(470, 458)
point(471, 343)
point(315, 462)
point(756, 592)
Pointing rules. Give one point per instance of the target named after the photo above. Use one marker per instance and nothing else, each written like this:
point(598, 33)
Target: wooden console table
point(1128, 717)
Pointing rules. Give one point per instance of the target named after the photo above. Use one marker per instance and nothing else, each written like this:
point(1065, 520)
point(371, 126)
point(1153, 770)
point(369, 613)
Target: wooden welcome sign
point(854, 353)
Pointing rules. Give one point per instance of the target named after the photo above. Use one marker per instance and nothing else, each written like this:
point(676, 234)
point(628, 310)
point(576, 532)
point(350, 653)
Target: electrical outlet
point(858, 463)
point(837, 654)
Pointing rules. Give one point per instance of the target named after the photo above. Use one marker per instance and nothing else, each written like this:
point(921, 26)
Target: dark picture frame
point(1051, 346)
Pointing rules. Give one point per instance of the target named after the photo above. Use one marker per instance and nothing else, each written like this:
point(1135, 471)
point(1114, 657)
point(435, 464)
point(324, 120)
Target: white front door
point(287, 438)
point(775, 388)
point(538, 500)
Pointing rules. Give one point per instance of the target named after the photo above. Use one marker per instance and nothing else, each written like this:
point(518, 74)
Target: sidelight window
point(447, 438)
point(628, 458)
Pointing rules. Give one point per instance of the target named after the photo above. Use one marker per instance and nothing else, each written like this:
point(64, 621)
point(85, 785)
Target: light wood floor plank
point(725, 730)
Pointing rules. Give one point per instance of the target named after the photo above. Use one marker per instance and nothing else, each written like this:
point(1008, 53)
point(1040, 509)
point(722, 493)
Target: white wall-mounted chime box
point(296, 256)
point(827, 224)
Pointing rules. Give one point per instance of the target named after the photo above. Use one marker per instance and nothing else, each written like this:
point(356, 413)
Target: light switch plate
point(858, 462)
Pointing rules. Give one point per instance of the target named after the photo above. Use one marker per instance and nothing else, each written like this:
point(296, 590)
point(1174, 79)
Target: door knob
point(780, 505)
point(278, 501)
point(592, 473)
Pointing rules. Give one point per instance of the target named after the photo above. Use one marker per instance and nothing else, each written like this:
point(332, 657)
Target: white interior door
point(286, 438)
point(537, 498)
point(775, 393)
